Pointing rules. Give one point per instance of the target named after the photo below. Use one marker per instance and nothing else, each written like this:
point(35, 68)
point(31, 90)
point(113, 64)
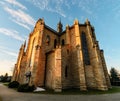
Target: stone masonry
point(62, 59)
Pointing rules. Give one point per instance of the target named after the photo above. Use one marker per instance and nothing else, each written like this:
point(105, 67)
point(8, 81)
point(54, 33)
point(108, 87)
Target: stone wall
point(53, 70)
point(50, 66)
point(45, 47)
point(57, 61)
point(66, 67)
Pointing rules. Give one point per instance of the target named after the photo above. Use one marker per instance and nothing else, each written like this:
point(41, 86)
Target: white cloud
point(21, 24)
point(15, 3)
point(60, 6)
point(50, 5)
point(21, 18)
point(11, 33)
point(9, 53)
point(17, 15)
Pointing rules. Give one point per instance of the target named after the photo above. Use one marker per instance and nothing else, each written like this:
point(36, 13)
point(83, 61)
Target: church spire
point(25, 44)
point(59, 27)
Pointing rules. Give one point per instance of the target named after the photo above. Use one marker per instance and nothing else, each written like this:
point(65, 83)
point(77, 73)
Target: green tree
point(6, 75)
point(4, 79)
point(114, 74)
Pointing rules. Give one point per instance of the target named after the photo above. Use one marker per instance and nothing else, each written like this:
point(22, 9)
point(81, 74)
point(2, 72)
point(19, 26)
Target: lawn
point(78, 92)
point(114, 89)
point(6, 83)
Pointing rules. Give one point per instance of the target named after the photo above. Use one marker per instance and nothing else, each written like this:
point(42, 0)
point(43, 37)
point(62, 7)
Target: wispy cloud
point(15, 3)
point(18, 14)
point(60, 6)
point(2, 3)
point(9, 53)
point(85, 5)
point(21, 24)
point(20, 17)
point(50, 5)
point(12, 33)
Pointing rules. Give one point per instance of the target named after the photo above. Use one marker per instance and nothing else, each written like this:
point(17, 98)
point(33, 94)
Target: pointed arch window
point(85, 51)
point(48, 39)
point(55, 43)
point(63, 42)
point(66, 71)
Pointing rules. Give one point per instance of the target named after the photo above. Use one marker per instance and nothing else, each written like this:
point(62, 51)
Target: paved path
point(11, 95)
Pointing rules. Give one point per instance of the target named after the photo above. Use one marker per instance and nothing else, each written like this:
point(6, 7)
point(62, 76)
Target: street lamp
point(28, 76)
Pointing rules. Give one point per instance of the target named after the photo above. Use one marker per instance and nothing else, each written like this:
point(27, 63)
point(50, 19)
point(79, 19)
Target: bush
point(5, 78)
point(13, 84)
point(25, 88)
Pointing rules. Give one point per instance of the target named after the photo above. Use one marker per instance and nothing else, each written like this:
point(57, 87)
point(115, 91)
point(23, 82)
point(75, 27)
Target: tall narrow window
point(55, 43)
point(67, 51)
point(66, 71)
point(63, 42)
point(86, 58)
point(48, 39)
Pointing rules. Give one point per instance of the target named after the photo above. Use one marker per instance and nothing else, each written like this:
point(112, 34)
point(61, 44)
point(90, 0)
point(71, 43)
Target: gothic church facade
point(62, 59)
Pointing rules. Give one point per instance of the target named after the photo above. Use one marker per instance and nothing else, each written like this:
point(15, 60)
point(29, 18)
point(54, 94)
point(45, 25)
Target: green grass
point(78, 92)
point(6, 83)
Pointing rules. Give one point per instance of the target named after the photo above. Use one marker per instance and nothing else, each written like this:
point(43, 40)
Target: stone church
point(62, 59)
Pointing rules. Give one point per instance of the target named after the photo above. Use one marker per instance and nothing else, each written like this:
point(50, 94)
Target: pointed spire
point(41, 20)
point(67, 26)
point(87, 22)
point(25, 44)
point(21, 47)
point(76, 21)
point(59, 27)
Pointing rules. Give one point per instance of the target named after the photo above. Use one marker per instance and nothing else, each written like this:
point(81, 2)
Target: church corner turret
point(76, 22)
point(87, 22)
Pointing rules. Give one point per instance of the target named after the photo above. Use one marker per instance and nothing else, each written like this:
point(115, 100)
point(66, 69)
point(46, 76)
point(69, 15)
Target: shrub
point(13, 84)
point(25, 88)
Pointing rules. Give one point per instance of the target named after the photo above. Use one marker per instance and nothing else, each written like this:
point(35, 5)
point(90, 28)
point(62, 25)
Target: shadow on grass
point(78, 92)
point(114, 89)
point(6, 84)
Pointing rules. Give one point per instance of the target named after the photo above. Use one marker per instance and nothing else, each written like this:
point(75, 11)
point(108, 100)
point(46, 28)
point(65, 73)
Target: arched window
point(66, 71)
point(86, 58)
point(55, 43)
point(63, 42)
point(67, 51)
point(48, 39)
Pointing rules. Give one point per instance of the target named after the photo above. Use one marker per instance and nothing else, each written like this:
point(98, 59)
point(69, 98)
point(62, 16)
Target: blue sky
point(18, 17)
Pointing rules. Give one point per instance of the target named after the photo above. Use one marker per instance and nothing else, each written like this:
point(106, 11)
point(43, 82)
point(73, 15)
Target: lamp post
point(28, 76)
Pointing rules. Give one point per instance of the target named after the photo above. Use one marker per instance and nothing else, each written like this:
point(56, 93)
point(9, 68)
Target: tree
point(114, 75)
point(5, 77)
